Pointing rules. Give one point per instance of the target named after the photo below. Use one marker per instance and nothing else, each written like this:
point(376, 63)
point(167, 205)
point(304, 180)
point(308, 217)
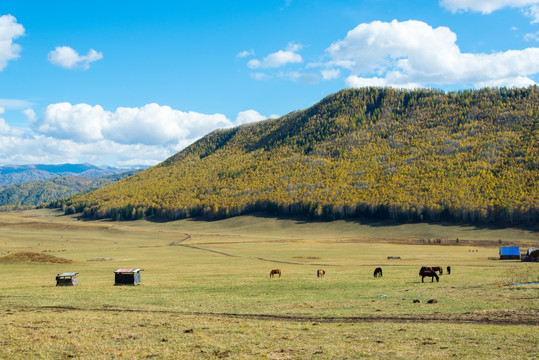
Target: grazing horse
point(427, 271)
point(448, 270)
point(275, 272)
point(438, 268)
point(378, 272)
point(320, 272)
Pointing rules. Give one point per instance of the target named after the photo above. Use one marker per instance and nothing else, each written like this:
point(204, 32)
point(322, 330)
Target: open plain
point(206, 291)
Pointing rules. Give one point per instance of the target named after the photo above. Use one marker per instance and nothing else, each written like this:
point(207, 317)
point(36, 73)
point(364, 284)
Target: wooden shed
point(531, 255)
point(509, 253)
point(67, 279)
point(127, 276)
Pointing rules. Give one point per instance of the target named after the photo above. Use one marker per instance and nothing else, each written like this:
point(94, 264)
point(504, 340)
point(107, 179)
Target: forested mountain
point(15, 174)
point(468, 156)
point(44, 191)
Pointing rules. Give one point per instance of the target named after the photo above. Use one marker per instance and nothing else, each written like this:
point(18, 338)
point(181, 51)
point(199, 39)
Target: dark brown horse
point(438, 268)
point(448, 270)
point(275, 272)
point(426, 271)
point(378, 272)
point(320, 272)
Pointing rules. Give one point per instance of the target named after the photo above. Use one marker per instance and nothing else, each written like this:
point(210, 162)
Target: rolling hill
point(468, 156)
point(38, 192)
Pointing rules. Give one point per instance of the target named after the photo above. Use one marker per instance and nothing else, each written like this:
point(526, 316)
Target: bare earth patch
point(35, 257)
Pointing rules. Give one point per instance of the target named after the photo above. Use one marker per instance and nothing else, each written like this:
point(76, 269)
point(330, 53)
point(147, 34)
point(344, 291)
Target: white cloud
point(66, 57)
point(248, 116)
point(519, 81)
point(5, 129)
point(260, 76)
point(40, 149)
point(154, 124)
point(9, 31)
point(532, 36)
point(329, 74)
point(14, 103)
point(529, 7)
point(308, 78)
point(411, 53)
point(151, 124)
point(81, 122)
point(245, 53)
point(279, 58)
point(30, 115)
point(358, 82)
point(533, 12)
point(125, 136)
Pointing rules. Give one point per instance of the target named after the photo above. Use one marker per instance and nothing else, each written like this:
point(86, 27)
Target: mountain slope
point(44, 191)
point(470, 156)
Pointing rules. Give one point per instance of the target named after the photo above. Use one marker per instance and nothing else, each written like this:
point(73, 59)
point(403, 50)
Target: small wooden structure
point(509, 253)
point(127, 276)
point(531, 255)
point(67, 279)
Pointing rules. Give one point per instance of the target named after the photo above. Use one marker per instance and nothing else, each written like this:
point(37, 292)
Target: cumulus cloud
point(279, 58)
point(412, 53)
point(248, 116)
point(81, 122)
point(68, 58)
point(9, 31)
point(154, 124)
point(125, 136)
point(151, 124)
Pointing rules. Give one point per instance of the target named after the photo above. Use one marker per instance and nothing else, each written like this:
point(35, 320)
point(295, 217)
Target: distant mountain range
point(16, 174)
point(31, 185)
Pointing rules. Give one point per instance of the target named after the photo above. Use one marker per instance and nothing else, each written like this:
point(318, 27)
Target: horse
point(320, 272)
point(378, 272)
point(448, 270)
point(275, 272)
point(427, 271)
point(438, 268)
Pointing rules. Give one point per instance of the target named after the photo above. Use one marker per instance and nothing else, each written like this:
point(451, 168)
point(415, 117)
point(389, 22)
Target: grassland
point(207, 294)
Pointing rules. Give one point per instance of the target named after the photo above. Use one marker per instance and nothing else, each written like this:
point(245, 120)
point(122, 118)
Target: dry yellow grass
point(214, 298)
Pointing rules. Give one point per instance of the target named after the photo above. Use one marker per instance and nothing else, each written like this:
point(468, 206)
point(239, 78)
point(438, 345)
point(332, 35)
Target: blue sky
point(133, 82)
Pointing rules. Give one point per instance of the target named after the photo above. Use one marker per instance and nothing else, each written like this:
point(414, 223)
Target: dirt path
point(187, 237)
point(492, 318)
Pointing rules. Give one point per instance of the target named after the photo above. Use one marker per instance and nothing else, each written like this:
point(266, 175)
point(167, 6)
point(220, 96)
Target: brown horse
point(427, 271)
point(275, 272)
point(448, 270)
point(438, 268)
point(378, 272)
point(320, 272)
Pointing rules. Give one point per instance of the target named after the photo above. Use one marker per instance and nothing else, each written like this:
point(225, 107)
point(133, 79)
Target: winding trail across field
point(187, 237)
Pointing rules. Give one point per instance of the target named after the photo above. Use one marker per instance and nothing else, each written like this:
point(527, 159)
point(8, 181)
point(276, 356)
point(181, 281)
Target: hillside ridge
point(468, 156)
